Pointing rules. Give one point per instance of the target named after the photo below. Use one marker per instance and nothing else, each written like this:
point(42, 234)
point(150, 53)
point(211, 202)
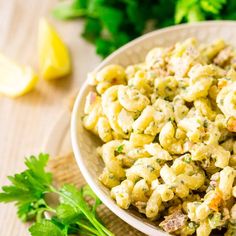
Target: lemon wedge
point(15, 80)
point(54, 59)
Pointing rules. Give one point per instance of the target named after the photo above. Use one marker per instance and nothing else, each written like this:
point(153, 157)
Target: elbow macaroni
point(168, 126)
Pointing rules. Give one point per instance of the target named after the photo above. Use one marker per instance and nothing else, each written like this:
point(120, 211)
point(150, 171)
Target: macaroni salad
point(169, 130)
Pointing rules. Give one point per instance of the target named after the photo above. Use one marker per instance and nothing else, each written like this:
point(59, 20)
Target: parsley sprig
point(110, 24)
point(72, 215)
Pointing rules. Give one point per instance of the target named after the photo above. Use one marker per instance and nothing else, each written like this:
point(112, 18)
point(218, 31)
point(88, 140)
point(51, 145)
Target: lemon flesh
point(15, 80)
point(54, 59)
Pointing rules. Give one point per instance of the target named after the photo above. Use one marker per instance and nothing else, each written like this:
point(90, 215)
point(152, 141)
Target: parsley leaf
point(197, 10)
point(212, 6)
point(37, 168)
point(185, 10)
point(111, 18)
point(136, 15)
point(120, 148)
point(65, 11)
point(104, 47)
point(187, 158)
point(92, 29)
point(29, 188)
point(67, 214)
point(93, 7)
point(195, 14)
point(45, 228)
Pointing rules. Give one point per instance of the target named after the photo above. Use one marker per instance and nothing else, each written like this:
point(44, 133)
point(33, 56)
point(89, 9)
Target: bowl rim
point(137, 224)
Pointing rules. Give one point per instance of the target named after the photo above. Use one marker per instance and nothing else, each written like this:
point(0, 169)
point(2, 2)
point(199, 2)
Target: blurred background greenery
point(110, 24)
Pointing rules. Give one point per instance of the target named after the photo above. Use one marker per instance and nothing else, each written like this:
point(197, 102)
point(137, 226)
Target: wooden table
point(25, 122)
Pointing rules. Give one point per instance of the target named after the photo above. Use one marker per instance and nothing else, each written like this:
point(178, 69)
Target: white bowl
point(84, 143)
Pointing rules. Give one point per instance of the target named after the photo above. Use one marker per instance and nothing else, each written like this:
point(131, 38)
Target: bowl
point(84, 143)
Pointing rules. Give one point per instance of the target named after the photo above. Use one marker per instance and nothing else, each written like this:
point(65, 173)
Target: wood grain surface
point(26, 122)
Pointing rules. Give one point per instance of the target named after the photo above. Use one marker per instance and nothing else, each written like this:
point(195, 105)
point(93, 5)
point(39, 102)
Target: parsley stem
point(103, 231)
point(88, 228)
point(39, 215)
point(50, 209)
